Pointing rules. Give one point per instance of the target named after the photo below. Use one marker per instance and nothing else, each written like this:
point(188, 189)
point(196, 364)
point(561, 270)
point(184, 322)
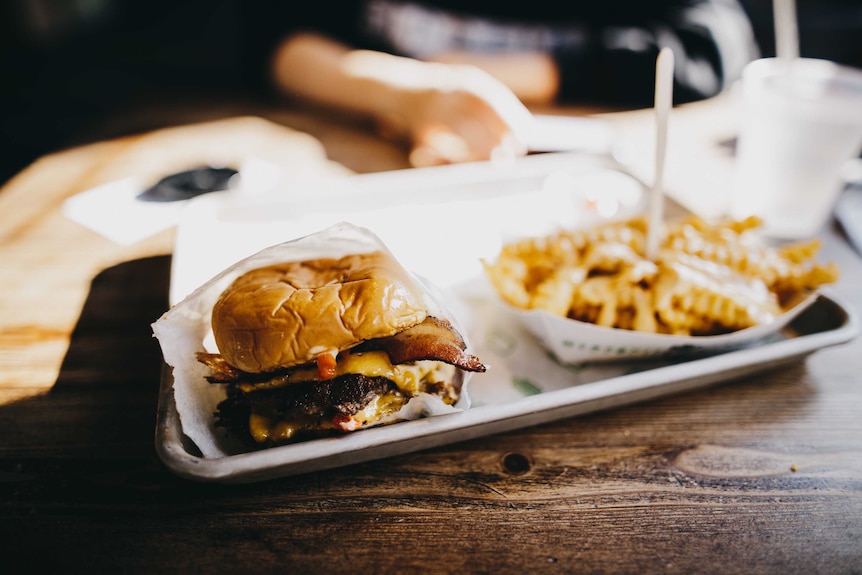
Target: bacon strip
point(434, 339)
point(223, 372)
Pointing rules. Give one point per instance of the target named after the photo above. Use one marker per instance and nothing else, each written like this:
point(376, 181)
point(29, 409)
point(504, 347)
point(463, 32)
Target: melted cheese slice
point(408, 377)
point(268, 428)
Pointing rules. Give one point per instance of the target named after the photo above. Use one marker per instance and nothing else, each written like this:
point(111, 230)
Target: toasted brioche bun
point(287, 314)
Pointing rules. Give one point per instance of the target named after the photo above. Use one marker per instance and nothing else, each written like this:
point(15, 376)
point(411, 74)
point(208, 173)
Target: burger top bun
point(287, 314)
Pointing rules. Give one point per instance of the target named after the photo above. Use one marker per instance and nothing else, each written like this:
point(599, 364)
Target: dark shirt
point(605, 51)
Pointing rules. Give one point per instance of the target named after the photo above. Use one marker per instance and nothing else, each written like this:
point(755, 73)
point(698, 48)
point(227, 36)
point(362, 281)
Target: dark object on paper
point(188, 184)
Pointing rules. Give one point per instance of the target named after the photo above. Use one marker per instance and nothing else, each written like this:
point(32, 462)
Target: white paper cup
point(801, 123)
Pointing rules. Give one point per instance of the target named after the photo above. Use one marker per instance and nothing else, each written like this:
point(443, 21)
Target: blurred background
point(78, 70)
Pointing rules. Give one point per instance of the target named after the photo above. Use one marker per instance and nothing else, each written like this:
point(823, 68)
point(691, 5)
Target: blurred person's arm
point(533, 76)
point(454, 85)
point(448, 113)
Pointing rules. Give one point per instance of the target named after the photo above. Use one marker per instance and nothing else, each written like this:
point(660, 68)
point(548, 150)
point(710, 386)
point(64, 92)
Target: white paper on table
point(113, 211)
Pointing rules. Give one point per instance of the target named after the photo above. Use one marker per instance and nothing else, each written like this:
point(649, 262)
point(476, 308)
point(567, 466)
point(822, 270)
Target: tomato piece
point(345, 422)
point(326, 366)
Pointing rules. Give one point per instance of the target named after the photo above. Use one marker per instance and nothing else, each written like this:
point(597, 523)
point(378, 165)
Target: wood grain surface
point(757, 475)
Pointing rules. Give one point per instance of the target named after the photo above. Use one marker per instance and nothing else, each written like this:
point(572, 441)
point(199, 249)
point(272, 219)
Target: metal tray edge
point(483, 420)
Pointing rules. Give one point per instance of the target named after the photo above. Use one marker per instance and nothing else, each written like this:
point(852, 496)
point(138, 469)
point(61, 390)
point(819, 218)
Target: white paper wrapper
point(185, 330)
point(576, 342)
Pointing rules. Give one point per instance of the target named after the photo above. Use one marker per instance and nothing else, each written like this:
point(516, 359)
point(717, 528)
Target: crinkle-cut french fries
point(707, 279)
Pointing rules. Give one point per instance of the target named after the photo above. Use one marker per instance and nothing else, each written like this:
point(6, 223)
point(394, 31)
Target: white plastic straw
point(786, 30)
point(663, 105)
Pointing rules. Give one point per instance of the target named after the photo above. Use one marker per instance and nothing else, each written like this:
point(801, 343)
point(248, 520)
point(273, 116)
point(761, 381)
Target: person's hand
point(461, 114)
point(446, 112)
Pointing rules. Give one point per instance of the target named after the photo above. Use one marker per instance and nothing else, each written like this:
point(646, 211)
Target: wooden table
point(759, 475)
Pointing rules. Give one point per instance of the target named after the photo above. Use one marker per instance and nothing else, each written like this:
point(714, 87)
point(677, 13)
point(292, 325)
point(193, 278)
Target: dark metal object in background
point(188, 184)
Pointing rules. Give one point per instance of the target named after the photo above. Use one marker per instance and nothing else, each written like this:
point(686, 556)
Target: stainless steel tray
point(215, 232)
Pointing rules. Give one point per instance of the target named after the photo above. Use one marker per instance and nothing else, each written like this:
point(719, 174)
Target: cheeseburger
point(328, 346)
